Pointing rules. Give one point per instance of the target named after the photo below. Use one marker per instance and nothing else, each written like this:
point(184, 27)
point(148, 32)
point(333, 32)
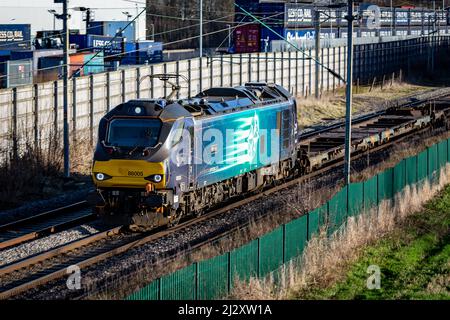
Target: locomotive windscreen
point(134, 132)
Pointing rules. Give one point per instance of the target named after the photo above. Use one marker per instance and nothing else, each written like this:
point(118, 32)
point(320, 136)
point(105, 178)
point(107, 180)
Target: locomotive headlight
point(156, 178)
point(101, 176)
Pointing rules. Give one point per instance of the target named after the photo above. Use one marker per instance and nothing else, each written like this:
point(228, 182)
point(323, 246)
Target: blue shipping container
point(143, 52)
point(267, 36)
point(15, 36)
point(98, 43)
point(111, 28)
point(130, 56)
point(21, 54)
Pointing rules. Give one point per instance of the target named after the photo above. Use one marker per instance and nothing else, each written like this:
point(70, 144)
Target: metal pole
point(317, 51)
point(229, 36)
point(201, 29)
point(65, 88)
point(54, 22)
point(348, 92)
point(88, 19)
point(392, 20)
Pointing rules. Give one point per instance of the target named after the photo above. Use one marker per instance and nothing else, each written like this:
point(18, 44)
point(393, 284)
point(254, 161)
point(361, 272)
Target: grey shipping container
point(17, 73)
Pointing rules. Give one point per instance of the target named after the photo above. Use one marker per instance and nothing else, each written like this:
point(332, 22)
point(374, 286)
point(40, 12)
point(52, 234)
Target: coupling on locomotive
point(157, 160)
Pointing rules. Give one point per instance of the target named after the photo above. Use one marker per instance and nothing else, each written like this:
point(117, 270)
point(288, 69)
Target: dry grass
point(326, 260)
point(332, 105)
point(35, 172)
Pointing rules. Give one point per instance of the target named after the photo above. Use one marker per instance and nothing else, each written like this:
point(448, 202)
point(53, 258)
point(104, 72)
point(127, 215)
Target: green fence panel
point(213, 278)
point(149, 292)
point(180, 285)
point(370, 193)
point(385, 185)
point(337, 210)
point(295, 237)
point(432, 160)
point(411, 170)
point(244, 262)
point(442, 153)
point(316, 219)
point(355, 198)
point(270, 251)
point(422, 165)
point(399, 177)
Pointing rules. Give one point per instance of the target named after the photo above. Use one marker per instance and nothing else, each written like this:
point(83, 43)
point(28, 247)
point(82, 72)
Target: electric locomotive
point(157, 160)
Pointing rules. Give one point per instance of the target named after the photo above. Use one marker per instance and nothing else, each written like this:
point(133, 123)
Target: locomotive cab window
point(134, 132)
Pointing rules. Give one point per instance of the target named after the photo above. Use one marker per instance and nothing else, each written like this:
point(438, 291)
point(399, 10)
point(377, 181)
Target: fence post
point(200, 73)
point(249, 68)
point(274, 67)
point(138, 83)
point(197, 285)
point(221, 70)
point(310, 73)
point(108, 92)
point(258, 67)
point(74, 109)
point(296, 73)
point(177, 71)
point(230, 275)
point(91, 108)
point(152, 90)
point(165, 71)
point(36, 115)
point(14, 123)
point(211, 69)
point(289, 71)
point(267, 67)
point(259, 258)
point(55, 108)
point(231, 70)
point(123, 80)
point(189, 78)
point(284, 244)
point(240, 69)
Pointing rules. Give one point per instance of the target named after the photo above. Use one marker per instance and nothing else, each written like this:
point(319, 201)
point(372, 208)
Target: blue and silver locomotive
point(158, 160)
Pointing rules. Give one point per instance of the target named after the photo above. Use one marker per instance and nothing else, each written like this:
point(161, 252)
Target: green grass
point(414, 260)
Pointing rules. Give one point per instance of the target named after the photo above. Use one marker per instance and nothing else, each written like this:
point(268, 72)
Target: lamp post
point(88, 15)
point(53, 12)
point(129, 15)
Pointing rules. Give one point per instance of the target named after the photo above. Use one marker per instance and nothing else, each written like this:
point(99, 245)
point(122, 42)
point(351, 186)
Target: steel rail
point(30, 228)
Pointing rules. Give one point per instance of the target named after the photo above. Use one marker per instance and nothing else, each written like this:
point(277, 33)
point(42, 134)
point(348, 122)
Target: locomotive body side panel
point(233, 144)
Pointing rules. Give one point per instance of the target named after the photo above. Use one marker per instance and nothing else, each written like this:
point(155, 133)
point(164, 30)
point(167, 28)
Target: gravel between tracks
point(37, 246)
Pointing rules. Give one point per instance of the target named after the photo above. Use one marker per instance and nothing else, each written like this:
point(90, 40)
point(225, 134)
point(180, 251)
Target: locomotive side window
point(134, 132)
point(177, 132)
point(286, 128)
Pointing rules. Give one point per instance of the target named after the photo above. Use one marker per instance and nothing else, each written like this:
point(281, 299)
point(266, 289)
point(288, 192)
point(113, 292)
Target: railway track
point(88, 251)
point(37, 226)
